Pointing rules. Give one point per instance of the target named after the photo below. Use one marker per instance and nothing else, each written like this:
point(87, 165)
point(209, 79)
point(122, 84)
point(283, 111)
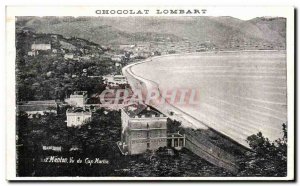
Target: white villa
point(78, 116)
point(78, 99)
point(41, 46)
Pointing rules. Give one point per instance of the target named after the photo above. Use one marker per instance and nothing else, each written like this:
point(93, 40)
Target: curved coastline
point(186, 119)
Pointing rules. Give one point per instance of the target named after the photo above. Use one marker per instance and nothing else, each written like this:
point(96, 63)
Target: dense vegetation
point(97, 139)
point(268, 158)
point(49, 75)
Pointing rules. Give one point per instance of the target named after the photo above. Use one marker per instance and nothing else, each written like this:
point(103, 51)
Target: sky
point(246, 13)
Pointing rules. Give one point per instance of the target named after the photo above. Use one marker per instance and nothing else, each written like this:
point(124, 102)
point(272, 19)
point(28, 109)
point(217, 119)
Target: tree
point(268, 158)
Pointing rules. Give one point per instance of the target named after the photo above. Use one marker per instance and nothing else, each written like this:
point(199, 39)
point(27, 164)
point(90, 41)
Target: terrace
point(142, 111)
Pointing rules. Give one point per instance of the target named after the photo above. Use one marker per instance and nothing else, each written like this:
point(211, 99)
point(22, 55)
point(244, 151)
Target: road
point(139, 83)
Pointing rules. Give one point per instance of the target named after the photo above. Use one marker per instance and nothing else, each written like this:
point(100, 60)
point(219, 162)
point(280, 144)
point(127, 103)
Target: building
point(78, 99)
point(176, 140)
point(115, 81)
point(54, 36)
point(69, 56)
point(120, 79)
point(86, 57)
point(41, 46)
point(52, 148)
point(36, 108)
point(32, 53)
point(117, 64)
point(77, 117)
point(117, 58)
point(143, 128)
point(126, 46)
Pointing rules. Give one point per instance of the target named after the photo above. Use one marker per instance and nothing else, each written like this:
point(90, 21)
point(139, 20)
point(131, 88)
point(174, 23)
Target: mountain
point(221, 31)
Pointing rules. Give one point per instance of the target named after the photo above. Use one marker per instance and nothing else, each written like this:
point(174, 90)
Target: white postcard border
point(12, 11)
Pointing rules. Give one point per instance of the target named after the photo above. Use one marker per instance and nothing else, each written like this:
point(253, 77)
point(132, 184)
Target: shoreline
point(185, 118)
point(195, 53)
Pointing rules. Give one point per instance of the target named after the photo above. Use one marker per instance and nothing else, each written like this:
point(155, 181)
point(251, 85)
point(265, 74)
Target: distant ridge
point(221, 31)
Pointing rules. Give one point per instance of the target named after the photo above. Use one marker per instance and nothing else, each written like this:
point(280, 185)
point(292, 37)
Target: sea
point(240, 93)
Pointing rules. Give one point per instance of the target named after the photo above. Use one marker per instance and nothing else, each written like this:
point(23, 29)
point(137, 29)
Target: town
point(149, 134)
point(60, 81)
point(67, 88)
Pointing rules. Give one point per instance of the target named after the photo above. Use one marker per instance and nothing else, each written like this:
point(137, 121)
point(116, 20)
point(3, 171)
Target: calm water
point(241, 93)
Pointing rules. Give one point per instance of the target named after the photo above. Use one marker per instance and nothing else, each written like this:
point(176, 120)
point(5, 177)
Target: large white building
point(40, 47)
point(115, 80)
point(77, 99)
point(78, 116)
point(143, 128)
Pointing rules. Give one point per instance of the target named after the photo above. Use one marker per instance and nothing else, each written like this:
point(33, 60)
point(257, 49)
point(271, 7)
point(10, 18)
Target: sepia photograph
point(150, 93)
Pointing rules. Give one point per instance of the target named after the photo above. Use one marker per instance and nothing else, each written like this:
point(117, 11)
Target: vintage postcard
point(168, 93)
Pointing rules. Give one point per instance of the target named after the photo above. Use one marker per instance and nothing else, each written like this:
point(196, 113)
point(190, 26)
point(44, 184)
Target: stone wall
point(211, 153)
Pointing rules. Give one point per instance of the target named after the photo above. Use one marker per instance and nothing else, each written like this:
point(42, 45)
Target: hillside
point(48, 74)
point(224, 32)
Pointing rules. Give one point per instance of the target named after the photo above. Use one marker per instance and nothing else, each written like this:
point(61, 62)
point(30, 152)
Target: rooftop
point(119, 76)
point(27, 108)
point(174, 135)
point(37, 102)
point(79, 93)
point(78, 110)
point(142, 110)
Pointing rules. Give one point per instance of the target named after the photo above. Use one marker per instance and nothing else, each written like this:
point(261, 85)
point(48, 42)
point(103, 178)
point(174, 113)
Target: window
point(148, 145)
point(175, 143)
point(180, 142)
point(139, 135)
point(78, 118)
